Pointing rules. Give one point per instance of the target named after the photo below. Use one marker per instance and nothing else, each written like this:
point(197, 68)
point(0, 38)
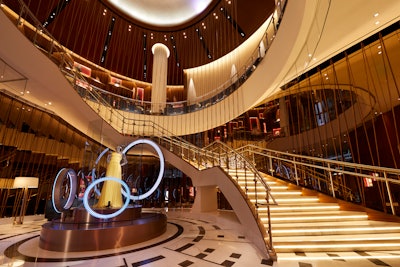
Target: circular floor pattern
point(14, 251)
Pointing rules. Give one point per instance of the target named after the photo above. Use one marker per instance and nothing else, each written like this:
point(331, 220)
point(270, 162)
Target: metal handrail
point(220, 154)
point(333, 168)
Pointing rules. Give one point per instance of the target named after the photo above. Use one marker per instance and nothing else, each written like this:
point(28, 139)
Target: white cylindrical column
point(159, 83)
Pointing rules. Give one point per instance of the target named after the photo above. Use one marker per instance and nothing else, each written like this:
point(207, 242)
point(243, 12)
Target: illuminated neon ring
point(56, 194)
point(105, 216)
point(161, 173)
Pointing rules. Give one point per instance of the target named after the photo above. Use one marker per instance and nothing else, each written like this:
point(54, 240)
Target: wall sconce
point(24, 183)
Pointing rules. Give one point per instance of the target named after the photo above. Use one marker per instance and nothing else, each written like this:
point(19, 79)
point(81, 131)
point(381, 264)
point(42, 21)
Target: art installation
point(104, 214)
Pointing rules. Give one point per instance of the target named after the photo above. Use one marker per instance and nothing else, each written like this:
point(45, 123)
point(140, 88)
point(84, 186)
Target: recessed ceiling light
point(376, 14)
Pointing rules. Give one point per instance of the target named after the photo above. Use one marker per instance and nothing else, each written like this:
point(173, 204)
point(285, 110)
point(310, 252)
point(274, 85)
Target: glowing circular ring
point(55, 195)
point(104, 216)
point(161, 173)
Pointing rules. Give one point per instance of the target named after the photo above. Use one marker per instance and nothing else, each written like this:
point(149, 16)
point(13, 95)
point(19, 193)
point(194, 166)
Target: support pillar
point(159, 83)
point(206, 199)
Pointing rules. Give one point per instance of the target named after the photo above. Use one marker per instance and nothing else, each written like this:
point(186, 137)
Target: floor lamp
point(24, 183)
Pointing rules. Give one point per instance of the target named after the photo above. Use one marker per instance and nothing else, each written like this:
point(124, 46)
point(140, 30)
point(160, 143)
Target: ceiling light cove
point(164, 13)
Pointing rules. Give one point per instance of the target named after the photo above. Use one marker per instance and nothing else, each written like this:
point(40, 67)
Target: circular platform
point(79, 231)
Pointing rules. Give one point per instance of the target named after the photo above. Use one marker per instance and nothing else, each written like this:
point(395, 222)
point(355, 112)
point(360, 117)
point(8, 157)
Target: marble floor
point(190, 240)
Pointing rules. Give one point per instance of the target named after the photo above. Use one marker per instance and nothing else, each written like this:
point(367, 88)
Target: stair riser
point(339, 232)
point(305, 221)
point(334, 249)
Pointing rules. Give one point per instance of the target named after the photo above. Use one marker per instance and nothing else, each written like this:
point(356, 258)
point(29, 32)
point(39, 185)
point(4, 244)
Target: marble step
point(359, 244)
point(342, 216)
point(338, 229)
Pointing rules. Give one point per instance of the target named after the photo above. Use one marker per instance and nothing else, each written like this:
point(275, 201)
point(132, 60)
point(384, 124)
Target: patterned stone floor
point(212, 240)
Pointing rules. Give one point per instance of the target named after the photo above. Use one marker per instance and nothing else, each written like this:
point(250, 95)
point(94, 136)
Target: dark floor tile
point(374, 261)
point(201, 256)
point(147, 261)
point(185, 263)
point(335, 256)
point(198, 238)
point(236, 255)
point(268, 262)
point(184, 247)
point(228, 263)
point(202, 230)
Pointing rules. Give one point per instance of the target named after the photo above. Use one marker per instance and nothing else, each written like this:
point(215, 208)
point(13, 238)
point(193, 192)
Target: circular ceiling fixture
point(166, 13)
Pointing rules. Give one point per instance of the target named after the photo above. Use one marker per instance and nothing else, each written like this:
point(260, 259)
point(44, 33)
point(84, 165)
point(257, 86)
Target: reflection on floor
point(190, 240)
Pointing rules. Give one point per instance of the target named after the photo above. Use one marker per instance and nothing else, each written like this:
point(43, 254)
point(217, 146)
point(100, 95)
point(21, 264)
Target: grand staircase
point(305, 221)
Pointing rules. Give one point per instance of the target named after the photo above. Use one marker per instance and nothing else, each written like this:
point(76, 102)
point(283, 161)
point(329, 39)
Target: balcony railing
point(42, 39)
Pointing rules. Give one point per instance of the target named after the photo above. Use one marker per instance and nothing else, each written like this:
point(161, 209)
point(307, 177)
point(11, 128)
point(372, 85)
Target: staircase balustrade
point(329, 176)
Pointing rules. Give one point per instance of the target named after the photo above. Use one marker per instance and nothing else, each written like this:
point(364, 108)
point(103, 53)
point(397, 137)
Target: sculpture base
point(83, 232)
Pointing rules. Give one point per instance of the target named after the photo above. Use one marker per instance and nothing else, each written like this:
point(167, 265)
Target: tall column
point(159, 84)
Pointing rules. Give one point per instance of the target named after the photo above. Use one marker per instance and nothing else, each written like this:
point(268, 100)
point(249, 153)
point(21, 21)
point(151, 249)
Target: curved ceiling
point(162, 13)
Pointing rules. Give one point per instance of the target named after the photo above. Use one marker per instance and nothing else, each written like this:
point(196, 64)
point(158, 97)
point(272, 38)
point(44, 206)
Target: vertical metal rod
point(295, 171)
point(271, 170)
point(331, 179)
point(389, 194)
point(269, 219)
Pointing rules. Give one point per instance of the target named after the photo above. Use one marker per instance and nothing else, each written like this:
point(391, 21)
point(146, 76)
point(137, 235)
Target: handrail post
point(389, 193)
point(295, 171)
point(331, 179)
point(269, 219)
point(271, 170)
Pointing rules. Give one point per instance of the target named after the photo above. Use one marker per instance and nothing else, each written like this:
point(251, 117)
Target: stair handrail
point(208, 156)
point(362, 172)
point(227, 151)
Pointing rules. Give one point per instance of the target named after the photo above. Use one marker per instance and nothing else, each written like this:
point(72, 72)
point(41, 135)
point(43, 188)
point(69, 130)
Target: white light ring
point(160, 174)
point(55, 197)
point(105, 216)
